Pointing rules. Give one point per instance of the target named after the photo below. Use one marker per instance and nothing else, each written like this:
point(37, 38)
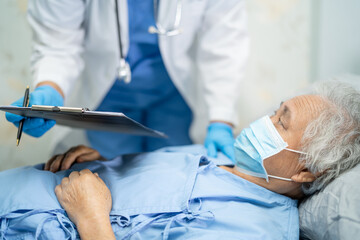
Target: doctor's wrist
point(53, 85)
point(223, 122)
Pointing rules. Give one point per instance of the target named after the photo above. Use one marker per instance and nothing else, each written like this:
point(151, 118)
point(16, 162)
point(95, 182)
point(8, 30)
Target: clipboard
point(85, 119)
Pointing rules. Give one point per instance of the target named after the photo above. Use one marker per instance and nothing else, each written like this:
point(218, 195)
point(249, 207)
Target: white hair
point(332, 140)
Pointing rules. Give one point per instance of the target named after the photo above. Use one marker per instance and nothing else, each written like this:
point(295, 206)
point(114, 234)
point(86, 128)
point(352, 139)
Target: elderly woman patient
point(179, 193)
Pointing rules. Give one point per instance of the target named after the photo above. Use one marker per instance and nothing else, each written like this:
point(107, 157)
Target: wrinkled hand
point(220, 138)
point(43, 95)
point(76, 154)
point(85, 197)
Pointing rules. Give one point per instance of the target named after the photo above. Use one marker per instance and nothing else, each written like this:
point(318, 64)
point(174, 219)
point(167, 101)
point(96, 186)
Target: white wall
point(15, 46)
point(284, 50)
point(337, 39)
point(279, 60)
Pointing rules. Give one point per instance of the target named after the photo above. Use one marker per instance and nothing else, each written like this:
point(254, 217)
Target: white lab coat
point(76, 46)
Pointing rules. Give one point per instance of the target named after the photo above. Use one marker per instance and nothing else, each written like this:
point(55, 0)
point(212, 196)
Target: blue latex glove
point(220, 138)
point(43, 95)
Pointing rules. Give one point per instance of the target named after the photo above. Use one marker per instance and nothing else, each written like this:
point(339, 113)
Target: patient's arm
point(76, 154)
point(87, 201)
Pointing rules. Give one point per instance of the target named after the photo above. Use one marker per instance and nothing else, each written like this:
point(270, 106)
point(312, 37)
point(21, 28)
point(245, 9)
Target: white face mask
point(254, 144)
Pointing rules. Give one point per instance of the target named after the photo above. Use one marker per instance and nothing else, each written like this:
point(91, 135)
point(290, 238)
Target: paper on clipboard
point(86, 119)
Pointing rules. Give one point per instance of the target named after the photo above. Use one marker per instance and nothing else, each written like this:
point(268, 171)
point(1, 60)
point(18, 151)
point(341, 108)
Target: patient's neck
point(289, 189)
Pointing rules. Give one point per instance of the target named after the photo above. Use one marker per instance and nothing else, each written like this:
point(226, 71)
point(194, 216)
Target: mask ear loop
point(295, 151)
point(281, 178)
point(287, 179)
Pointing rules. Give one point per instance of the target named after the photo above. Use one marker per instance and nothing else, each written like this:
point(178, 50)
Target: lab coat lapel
point(167, 13)
point(124, 25)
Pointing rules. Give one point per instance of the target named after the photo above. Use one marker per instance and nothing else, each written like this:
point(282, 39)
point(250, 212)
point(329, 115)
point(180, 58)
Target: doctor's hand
point(43, 95)
point(76, 154)
point(87, 201)
point(220, 138)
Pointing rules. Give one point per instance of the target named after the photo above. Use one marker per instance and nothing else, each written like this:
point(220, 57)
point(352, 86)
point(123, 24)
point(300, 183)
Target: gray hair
point(332, 140)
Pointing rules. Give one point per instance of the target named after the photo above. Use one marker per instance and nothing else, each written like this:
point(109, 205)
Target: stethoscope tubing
point(124, 72)
point(118, 29)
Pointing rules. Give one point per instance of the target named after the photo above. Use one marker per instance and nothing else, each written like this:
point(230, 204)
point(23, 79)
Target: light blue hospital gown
point(174, 193)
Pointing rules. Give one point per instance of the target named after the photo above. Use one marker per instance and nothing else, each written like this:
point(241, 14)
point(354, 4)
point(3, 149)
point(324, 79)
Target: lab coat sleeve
point(58, 37)
point(223, 49)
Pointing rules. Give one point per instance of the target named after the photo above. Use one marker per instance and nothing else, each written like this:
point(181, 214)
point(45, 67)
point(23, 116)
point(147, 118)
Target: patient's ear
point(304, 176)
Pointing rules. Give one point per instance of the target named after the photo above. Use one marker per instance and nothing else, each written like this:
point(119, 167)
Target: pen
point(21, 124)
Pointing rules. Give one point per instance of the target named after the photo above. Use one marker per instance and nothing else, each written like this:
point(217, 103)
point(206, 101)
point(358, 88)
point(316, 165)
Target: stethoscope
point(124, 72)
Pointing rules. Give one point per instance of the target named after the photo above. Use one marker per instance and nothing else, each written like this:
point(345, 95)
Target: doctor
point(159, 62)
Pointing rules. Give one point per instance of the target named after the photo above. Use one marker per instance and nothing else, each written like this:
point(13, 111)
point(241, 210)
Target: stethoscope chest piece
point(123, 71)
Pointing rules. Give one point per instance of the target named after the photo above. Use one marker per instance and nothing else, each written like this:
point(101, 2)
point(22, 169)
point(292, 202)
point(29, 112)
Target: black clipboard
point(86, 119)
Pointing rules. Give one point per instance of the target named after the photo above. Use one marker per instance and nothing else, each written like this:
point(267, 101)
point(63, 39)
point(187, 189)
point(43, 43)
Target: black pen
point(21, 124)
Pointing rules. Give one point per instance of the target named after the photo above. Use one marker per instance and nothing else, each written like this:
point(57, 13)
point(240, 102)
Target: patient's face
point(291, 120)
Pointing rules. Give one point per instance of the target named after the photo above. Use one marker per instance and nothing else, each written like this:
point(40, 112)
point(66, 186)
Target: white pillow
point(333, 213)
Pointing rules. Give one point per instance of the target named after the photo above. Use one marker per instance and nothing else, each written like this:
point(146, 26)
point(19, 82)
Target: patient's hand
point(87, 201)
point(73, 155)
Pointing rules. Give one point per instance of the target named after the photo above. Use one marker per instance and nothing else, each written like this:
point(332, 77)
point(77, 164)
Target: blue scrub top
point(168, 194)
point(150, 79)
point(150, 98)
